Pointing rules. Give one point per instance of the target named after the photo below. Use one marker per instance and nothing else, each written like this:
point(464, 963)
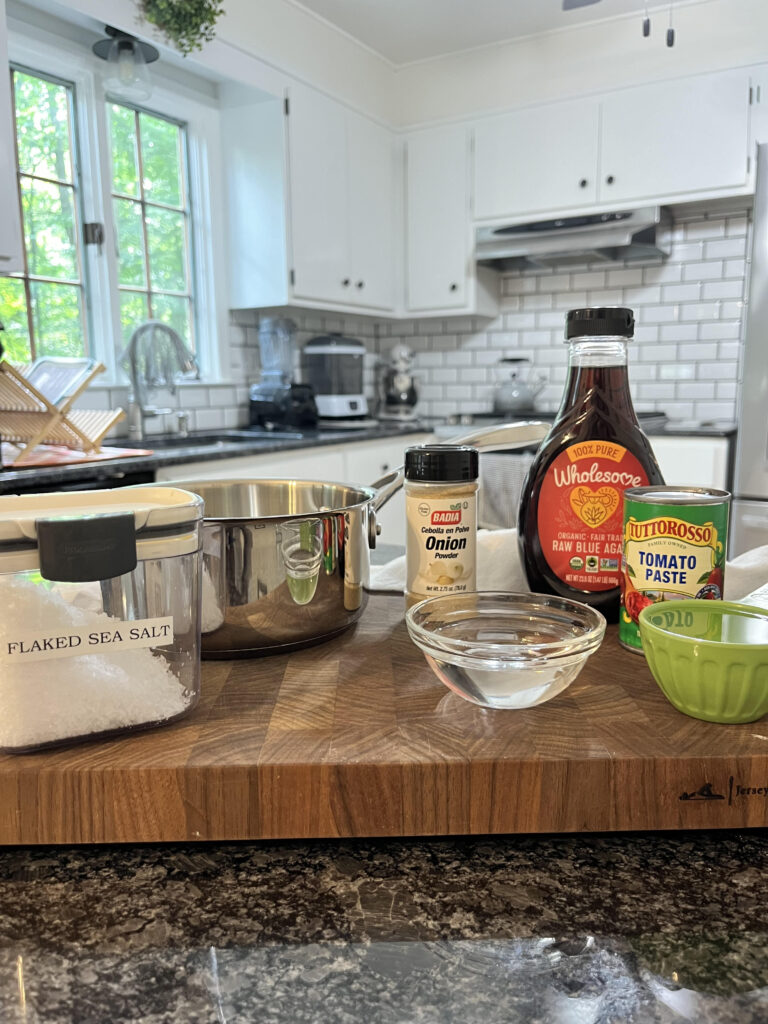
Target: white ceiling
point(410, 30)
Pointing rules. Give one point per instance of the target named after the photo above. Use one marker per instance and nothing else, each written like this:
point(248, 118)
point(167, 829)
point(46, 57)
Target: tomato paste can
point(674, 541)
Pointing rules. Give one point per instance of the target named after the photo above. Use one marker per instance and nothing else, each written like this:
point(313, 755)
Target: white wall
point(264, 44)
point(587, 59)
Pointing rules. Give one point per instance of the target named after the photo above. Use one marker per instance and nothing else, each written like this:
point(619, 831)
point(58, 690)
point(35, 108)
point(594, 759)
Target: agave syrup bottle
point(570, 519)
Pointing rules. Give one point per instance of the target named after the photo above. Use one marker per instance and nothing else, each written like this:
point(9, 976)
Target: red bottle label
point(580, 512)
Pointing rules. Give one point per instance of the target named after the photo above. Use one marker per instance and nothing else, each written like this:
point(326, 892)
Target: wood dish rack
point(28, 418)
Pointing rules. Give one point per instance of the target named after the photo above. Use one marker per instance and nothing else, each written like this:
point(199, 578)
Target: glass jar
point(100, 633)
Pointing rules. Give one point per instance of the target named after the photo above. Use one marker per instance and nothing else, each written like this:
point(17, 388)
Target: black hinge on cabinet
point(287, 106)
point(292, 275)
point(751, 94)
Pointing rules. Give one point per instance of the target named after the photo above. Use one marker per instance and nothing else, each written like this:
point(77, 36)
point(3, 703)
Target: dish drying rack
point(36, 405)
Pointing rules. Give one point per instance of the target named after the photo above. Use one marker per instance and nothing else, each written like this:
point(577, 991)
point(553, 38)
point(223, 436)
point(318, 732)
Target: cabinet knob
point(360, 284)
point(346, 282)
point(583, 183)
point(454, 287)
point(610, 179)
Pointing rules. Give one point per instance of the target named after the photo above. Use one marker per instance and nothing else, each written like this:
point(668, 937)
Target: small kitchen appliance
point(516, 386)
point(277, 400)
point(397, 386)
point(333, 366)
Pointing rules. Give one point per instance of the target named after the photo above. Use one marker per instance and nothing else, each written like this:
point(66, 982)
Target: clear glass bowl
point(504, 650)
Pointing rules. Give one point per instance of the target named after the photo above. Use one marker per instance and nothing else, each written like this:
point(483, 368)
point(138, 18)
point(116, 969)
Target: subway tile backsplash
point(685, 359)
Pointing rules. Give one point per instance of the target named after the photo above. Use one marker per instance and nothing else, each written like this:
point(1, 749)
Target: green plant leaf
point(188, 24)
point(704, 578)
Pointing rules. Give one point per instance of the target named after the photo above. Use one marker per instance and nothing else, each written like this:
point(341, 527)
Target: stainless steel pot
point(286, 562)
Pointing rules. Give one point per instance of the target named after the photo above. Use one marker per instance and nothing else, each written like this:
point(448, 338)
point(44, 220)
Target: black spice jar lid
point(593, 321)
point(441, 463)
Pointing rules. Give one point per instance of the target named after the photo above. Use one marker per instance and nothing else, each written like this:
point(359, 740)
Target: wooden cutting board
point(358, 738)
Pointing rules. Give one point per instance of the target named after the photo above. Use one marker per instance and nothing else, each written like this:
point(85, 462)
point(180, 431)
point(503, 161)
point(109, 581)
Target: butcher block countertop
point(356, 737)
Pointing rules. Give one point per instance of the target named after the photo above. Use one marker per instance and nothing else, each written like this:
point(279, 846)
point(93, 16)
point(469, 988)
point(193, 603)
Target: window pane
point(133, 311)
point(166, 240)
point(125, 165)
point(50, 231)
point(130, 243)
point(174, 310)
point(161, 160)
point(42, 127)
point(57, 319)
point(13, 315)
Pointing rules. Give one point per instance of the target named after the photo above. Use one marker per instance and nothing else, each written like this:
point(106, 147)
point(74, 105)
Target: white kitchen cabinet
point(677, 139)
point(370, 213)
point(341, 204)
point(317, 156)
point(693, 461)
point(324, 463)
point(441, 275)
point(685, 136)
point(537, 159)
point(11, 252)
point(311, 198)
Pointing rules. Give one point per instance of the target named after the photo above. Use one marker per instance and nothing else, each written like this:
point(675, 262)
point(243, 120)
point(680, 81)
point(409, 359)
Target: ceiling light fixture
point(127, 77)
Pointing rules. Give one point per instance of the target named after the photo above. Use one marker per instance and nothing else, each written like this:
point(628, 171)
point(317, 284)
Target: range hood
point(641, 234)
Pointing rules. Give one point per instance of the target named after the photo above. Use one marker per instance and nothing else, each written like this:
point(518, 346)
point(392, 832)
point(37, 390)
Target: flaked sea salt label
point(114, 636)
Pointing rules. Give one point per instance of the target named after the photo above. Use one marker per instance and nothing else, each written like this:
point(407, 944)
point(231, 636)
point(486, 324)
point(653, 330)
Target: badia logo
point(446, 517)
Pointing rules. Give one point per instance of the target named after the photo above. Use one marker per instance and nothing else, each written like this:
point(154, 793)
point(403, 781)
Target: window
point(151, 212)
point(43, 309)
point(145, 184)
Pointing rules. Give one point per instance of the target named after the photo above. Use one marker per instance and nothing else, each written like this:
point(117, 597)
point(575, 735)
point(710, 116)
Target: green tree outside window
point(43, 308)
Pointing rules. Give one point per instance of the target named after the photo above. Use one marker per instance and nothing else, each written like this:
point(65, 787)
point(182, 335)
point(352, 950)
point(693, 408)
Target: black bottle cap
point(599, 320)
point(441, 463)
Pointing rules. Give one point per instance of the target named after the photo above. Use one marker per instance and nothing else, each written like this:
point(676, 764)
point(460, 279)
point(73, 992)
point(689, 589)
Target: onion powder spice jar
point(441, 520)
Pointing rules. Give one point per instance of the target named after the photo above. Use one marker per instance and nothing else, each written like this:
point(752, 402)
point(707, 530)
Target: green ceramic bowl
point(710, 658)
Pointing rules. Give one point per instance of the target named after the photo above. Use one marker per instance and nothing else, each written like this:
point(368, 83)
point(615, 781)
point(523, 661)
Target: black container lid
point(441, 463)
point(599, 320)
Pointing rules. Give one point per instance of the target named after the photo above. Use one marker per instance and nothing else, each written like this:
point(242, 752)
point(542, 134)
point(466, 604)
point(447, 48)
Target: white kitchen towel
point(499, 568)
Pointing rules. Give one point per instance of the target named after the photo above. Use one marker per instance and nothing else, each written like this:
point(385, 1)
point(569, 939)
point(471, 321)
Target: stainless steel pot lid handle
point(502, 437)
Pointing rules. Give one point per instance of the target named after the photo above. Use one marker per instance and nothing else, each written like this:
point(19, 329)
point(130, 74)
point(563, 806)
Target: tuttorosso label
point(71, 643)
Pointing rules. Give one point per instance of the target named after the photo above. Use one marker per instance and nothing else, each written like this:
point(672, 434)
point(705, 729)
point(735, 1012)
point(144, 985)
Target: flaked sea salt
point(47, 701)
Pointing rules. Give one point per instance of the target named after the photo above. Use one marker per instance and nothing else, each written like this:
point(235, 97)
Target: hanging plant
point(187, 24)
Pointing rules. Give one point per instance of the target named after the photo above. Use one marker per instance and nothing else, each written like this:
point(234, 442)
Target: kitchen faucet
point(154, 357)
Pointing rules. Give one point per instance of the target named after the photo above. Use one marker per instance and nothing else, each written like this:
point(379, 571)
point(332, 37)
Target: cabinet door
point(539, 159)
point(300, 464)
point(693, 461)
point(684, 136)
point(10, 223)
point(318, 197)
point(437, 218)
point(370, 213)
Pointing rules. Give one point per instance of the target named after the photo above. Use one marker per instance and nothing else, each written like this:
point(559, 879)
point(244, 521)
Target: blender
point(276, 400)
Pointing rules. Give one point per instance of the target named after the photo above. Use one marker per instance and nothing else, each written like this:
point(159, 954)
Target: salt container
point(99, 613)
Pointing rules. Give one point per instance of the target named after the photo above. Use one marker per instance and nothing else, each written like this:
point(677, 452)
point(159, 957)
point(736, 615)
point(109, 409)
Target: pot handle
point(501, 437)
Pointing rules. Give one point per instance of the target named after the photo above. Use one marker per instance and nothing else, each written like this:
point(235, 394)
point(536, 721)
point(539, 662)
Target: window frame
point(143, 202)
point(42, 53)
point(77, 189)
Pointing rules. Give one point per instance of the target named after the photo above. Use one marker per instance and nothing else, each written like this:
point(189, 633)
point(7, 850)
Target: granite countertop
point(632, 929)
point(226, 447)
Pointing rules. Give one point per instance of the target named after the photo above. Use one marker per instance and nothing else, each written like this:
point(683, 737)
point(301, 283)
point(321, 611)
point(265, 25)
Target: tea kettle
point(516, 386)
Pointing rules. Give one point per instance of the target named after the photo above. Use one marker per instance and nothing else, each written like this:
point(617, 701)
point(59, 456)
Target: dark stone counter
point(141, 468)
point(631, 929)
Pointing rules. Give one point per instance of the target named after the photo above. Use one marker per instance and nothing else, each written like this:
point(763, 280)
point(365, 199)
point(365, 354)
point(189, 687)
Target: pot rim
point(367, 496)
